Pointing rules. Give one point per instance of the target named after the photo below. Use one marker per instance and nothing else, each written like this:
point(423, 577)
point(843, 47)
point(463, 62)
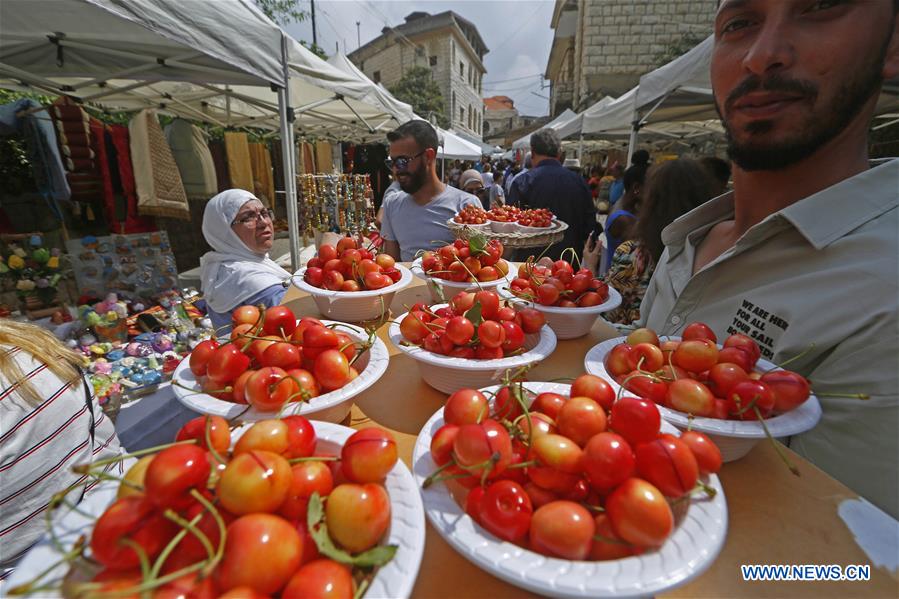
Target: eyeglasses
point(401, 163)
point(479, 191)
point(251, 218)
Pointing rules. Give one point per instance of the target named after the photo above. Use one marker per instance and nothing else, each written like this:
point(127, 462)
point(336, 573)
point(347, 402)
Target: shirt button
point(675, 320)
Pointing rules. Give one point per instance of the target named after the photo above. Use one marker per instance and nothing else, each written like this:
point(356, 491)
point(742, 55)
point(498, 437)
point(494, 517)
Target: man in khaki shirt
point(803, 253)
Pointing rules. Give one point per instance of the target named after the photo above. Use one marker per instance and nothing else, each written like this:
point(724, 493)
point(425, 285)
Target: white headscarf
point(232, 273)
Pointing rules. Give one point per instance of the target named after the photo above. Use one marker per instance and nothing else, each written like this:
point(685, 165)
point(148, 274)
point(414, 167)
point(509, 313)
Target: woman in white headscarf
point(238, 271)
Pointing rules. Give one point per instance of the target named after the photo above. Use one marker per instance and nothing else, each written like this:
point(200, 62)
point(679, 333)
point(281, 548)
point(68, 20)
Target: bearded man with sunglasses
point(415, 218)
point(802, 255)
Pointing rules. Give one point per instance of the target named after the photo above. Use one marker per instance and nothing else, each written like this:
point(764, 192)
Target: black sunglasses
point(401, 163)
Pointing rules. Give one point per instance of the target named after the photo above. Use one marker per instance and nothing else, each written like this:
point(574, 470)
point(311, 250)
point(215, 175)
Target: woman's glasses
point(251, 218)
point(401, 163)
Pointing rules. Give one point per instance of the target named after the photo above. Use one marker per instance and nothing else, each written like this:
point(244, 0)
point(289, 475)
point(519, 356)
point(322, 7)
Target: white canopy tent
point(180, 59)
point(454, 147)
point(524, 141)
point(147, 40)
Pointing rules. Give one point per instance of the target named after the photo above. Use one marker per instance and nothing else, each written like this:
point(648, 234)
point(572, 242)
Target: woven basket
point(515, 240)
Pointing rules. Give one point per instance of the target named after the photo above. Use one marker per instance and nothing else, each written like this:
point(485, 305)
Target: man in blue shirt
point(550, 185)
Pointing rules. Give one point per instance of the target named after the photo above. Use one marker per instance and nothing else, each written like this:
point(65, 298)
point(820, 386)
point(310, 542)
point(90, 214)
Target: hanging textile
point(323, 159)
point(79, 157)
point(159, 188)
point(220, 161)
point(27, 118)
point(306, 160)
point(191, 153)
point(263, 180)
point(277, 158)
point(120, 199)
point(239, 167)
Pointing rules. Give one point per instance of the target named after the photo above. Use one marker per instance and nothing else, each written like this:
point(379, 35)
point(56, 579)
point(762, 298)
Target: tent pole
point(580, 147)
point(632, 142)
point(290, 181)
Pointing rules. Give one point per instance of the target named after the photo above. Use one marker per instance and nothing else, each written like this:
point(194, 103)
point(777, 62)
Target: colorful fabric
point(240, 169)
point(220, 162)
point(158, 182)
point(191, 153)
point(263, 179)
point(631, 270)
point(324, 162)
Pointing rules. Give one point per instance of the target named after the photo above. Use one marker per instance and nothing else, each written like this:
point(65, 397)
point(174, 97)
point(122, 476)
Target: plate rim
point(378, 360)
point(422, 464)
point(793, 422)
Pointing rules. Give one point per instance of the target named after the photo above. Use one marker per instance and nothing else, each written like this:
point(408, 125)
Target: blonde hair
point(44, 347)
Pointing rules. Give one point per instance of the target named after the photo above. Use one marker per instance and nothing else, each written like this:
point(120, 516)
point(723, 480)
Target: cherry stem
point(782, 455)
point(207, 433)
point(783, 365)
point(844, 395)
point(434, 477)
point(87, 468)
point(185, 528)
point(709, 490)
point(527, 464)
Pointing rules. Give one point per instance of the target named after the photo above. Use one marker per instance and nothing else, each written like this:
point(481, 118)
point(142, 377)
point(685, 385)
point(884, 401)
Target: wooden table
point(774, 517)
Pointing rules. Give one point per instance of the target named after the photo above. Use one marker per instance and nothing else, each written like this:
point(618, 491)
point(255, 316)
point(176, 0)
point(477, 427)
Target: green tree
point(282, 11)
point(419, 89)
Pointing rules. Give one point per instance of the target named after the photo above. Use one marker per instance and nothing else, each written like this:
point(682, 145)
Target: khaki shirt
point(823, 271)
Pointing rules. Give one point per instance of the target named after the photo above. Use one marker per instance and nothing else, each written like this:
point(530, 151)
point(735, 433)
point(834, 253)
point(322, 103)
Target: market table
point(774, 516)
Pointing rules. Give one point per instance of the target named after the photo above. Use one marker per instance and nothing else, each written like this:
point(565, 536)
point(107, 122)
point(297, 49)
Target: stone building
point(500, 116)
point(601, 47)
point(449, 45)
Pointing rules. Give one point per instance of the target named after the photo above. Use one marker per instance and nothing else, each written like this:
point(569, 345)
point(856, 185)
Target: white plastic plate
point(333, 406)
point(803, 418)
point(695, 543)
point(396, 579)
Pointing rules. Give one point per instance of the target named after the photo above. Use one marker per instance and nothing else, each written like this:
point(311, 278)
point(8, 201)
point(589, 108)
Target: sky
point(517, 33)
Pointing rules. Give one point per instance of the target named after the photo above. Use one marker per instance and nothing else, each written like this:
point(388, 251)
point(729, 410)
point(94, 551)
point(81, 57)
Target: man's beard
point(416, 179)
point(810, 135)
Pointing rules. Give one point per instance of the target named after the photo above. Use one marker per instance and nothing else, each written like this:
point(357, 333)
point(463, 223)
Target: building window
point(461, 69)
point(376, 77)
point(433, 61)
point(461, 115)
point(486, 127)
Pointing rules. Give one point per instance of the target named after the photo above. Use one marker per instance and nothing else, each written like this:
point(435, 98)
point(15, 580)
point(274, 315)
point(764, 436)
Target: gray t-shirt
point(417, 227)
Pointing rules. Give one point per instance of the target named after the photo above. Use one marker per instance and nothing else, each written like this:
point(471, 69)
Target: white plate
point(481, 227)
point(454, 287)
point(504, 226)
point(693, 546)
point(353, 306)
point(447, 374)
point(333, 406)
point(407, 526)
point(567, 323)
point(734, 437)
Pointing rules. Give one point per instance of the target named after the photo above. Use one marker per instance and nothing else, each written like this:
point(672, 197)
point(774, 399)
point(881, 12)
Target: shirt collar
point(821, 218)
point(828, 215)
point(548, 162)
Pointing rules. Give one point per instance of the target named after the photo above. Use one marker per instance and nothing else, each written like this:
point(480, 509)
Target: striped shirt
point(39, 445)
